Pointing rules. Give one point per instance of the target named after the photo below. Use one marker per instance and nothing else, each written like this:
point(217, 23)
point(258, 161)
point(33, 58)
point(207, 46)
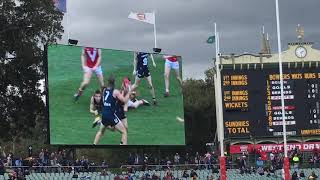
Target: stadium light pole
point(219, 108)
point(286, 159)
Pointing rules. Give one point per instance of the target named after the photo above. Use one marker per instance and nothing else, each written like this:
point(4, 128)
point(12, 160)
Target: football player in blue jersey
point(141, 70)
point(109, 118)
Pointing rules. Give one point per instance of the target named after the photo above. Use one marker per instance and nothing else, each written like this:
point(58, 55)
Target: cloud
point(184, 25)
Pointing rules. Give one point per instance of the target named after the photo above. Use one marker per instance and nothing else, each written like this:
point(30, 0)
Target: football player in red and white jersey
point(91, 63)
point(171, 63)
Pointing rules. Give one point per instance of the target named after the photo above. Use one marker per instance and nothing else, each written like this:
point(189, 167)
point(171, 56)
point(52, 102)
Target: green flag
point(211, 40)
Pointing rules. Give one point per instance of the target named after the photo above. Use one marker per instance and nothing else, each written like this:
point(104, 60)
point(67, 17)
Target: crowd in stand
point(63, 162)
point(314, 158)
point(265, 163)
point(196, 160)
point(153, 175)
point(20, 167)
point(268, 163)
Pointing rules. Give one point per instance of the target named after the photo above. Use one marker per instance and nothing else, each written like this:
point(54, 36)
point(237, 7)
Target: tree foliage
point(25, 27)
point(199, 108)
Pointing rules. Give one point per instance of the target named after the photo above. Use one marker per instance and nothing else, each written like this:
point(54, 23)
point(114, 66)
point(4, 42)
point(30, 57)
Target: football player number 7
point(106, 96)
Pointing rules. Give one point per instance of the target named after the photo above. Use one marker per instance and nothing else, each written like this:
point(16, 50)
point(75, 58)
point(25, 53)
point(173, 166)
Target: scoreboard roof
point(291, 55)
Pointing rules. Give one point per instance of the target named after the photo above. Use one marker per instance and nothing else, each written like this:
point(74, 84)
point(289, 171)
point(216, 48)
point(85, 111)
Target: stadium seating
point(232, 174)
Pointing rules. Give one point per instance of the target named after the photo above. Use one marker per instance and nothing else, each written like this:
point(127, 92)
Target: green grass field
point(70, 122)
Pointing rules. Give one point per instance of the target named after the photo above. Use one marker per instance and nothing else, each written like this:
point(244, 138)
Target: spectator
point(294, 176)
point(315, 151)
point(168, 163)
point(168, 176)
point(268, 172)
point(193, 174)
point(197, 158)
point(259, 162)
point(296, 160)
point(260, 171)
point(26, 172)
point(130, 159)
point(30, 151)
point(146, 176)
point(208, 159)
point(155, 176)
point(176, 159)
point(130, 176)
point(242, 170)
point(92, 167)
point(271, 156)
point(103, 172)
point(313, 176)
point(272, 171)
point(295, 151)
point(117, 177)
point(215, 168)
point(210, 177)
point(2, 170)
point(316, 161)
point(145, 162)
point(13, 175)
point(302, 174)
point(41, 156)
point(253, 170)
point(137, 159)
point(104, 164)
point(185, 174)
point(312, 161)
point(20, 174)
point(187, 158)
point(214, 157)
point(46, 157)
point(18, 162)
point(9, 159)
point(243, 162)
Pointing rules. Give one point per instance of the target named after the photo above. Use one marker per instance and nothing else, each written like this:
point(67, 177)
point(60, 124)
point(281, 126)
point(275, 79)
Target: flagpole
point(219, 108)
point(220, 99)
point(216, 87)
point(284, 130)
point(67, 16)
point(154, 30)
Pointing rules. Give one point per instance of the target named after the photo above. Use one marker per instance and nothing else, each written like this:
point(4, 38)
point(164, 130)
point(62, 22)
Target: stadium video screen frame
point(70, 119)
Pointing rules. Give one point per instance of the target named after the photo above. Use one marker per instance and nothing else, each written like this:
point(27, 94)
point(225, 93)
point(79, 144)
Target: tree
point(199, 108)
point(25, 27)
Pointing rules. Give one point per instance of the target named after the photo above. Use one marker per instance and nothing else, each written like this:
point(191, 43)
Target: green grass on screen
point(70, 122)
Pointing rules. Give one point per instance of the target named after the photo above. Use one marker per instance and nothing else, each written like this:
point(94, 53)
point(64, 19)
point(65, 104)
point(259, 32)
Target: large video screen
point(114, 97)
point(252, 102)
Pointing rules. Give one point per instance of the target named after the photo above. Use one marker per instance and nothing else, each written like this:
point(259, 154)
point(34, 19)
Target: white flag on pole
point(143, 17)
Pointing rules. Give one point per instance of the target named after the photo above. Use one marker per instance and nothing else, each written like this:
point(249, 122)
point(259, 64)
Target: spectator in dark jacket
point(2, 171)
point(193, 174)
point(185, 174)
point(294, 176)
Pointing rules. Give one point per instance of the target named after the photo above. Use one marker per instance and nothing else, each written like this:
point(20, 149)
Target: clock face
point(301, 52)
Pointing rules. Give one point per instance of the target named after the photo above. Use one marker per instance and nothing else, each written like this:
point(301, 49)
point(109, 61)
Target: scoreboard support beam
point(219, 108)
point(286, 161)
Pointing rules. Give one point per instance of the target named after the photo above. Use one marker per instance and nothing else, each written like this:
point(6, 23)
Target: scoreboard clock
point(301, 52)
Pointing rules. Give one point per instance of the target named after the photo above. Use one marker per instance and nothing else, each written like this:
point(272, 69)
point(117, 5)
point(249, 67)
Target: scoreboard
point(252, 102)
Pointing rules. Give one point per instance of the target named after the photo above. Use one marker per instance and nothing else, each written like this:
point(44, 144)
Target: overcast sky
point(184, 25)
